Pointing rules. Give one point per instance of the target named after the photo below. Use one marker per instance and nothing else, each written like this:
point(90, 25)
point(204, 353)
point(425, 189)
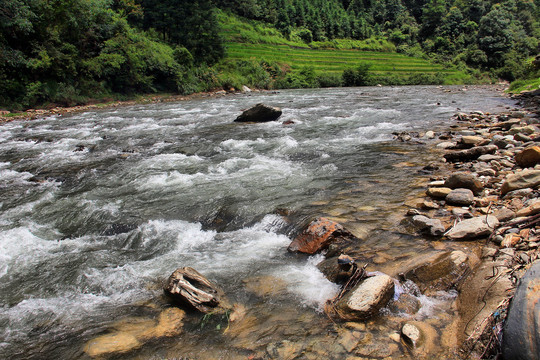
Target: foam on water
point(308, 283)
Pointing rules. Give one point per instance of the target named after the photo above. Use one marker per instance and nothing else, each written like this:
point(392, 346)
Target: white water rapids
point(98, 207)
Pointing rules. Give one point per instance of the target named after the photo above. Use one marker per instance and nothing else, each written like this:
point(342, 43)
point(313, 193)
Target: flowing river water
point(98, 208)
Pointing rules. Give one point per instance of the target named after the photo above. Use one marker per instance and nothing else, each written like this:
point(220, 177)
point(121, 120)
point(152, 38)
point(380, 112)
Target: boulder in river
point(318, 236)
point(187, 286)
point(521, 336)
point(260, 113)
point(365, 300)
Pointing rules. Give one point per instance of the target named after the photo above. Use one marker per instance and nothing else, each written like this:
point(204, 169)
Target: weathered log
point(470, 154)
point(188, 287)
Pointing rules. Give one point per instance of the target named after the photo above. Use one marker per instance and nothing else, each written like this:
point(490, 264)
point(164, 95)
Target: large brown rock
point(365, 300)
point(465, 181)
point(521, 180)
point(473, 228)
point(528, 157)
point(318, 236)
point(260, 113)
point(187, 286)
point(521, 335)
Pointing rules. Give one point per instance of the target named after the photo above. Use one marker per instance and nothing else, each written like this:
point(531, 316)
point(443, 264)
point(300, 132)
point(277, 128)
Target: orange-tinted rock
point(318, 236)
point(528, 157)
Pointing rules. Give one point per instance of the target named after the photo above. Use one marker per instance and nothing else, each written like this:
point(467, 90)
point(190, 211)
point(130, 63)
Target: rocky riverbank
point(485, 190)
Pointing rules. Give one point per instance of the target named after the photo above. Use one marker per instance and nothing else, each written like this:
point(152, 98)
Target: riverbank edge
point(31, 114)
point(483, 311)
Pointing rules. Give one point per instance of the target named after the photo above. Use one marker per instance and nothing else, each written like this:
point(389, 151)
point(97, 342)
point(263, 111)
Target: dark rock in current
point(260, 113)
point(521, 335)
point(187, 286)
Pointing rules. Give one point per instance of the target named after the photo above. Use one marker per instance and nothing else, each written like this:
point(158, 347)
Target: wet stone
point(462, 197)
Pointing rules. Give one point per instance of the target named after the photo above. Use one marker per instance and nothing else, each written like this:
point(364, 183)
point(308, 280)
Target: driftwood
point(527, 222)
point(470, 154)
point(188, 287)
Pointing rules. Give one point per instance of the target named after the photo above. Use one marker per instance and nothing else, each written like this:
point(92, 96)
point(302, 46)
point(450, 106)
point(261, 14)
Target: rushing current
point(97, 208)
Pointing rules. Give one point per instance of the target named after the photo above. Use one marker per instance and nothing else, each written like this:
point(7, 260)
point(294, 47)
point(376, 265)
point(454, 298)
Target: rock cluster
point(486, 187)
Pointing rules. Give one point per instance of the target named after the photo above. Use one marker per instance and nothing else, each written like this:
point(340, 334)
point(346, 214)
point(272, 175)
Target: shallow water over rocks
point(98, 208)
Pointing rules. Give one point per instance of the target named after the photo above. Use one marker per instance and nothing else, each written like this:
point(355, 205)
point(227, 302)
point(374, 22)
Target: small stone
point(429, 135)
point(460, 197)
point(438, 192)
point(519, 193)
point(471, 140)
point(430, 205)
point(510, 240)
point(433, 226)
point(466, 181)
point(504, 214)
point(410, 334)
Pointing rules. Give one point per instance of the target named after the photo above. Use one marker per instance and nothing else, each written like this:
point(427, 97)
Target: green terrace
point(331, 60)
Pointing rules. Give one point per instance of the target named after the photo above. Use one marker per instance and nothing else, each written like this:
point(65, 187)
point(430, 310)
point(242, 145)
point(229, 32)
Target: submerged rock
point(440, 271)
point(260, 113)
point(366, 298)
point(187, 286)
point(318, 236)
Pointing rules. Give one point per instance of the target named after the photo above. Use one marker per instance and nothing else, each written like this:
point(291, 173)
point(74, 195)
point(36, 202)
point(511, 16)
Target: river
point(98, 208)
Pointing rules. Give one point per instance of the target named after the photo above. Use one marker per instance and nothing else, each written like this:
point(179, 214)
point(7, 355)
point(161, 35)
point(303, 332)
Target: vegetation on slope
point(67, 52)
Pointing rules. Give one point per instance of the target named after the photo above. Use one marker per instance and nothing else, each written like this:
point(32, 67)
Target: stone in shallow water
point(366, 298)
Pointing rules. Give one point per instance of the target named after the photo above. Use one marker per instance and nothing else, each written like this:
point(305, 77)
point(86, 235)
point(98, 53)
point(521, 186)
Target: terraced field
point(334, 61)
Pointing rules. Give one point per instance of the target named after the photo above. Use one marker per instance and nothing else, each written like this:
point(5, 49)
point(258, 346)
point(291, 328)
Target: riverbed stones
point(463, 180)
point(187, 287)
point(521, 336)
point(473, 228)
point(433, 227)
point(461, 197)
point(260, 113)
point(521, 180)
point(318, 235)
point(365, 300)
point(410, 334)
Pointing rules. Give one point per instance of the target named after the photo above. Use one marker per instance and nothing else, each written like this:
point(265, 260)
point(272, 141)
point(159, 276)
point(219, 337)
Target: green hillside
point(253, 42)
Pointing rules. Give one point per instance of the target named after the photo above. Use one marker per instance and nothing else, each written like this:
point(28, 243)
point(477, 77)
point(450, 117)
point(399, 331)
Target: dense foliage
point(69, 51)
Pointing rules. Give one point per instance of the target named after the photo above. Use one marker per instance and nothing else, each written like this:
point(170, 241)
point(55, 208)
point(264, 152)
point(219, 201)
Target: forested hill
point(69, 51)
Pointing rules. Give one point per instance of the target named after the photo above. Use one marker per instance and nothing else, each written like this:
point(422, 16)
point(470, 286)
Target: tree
point(494, 36)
